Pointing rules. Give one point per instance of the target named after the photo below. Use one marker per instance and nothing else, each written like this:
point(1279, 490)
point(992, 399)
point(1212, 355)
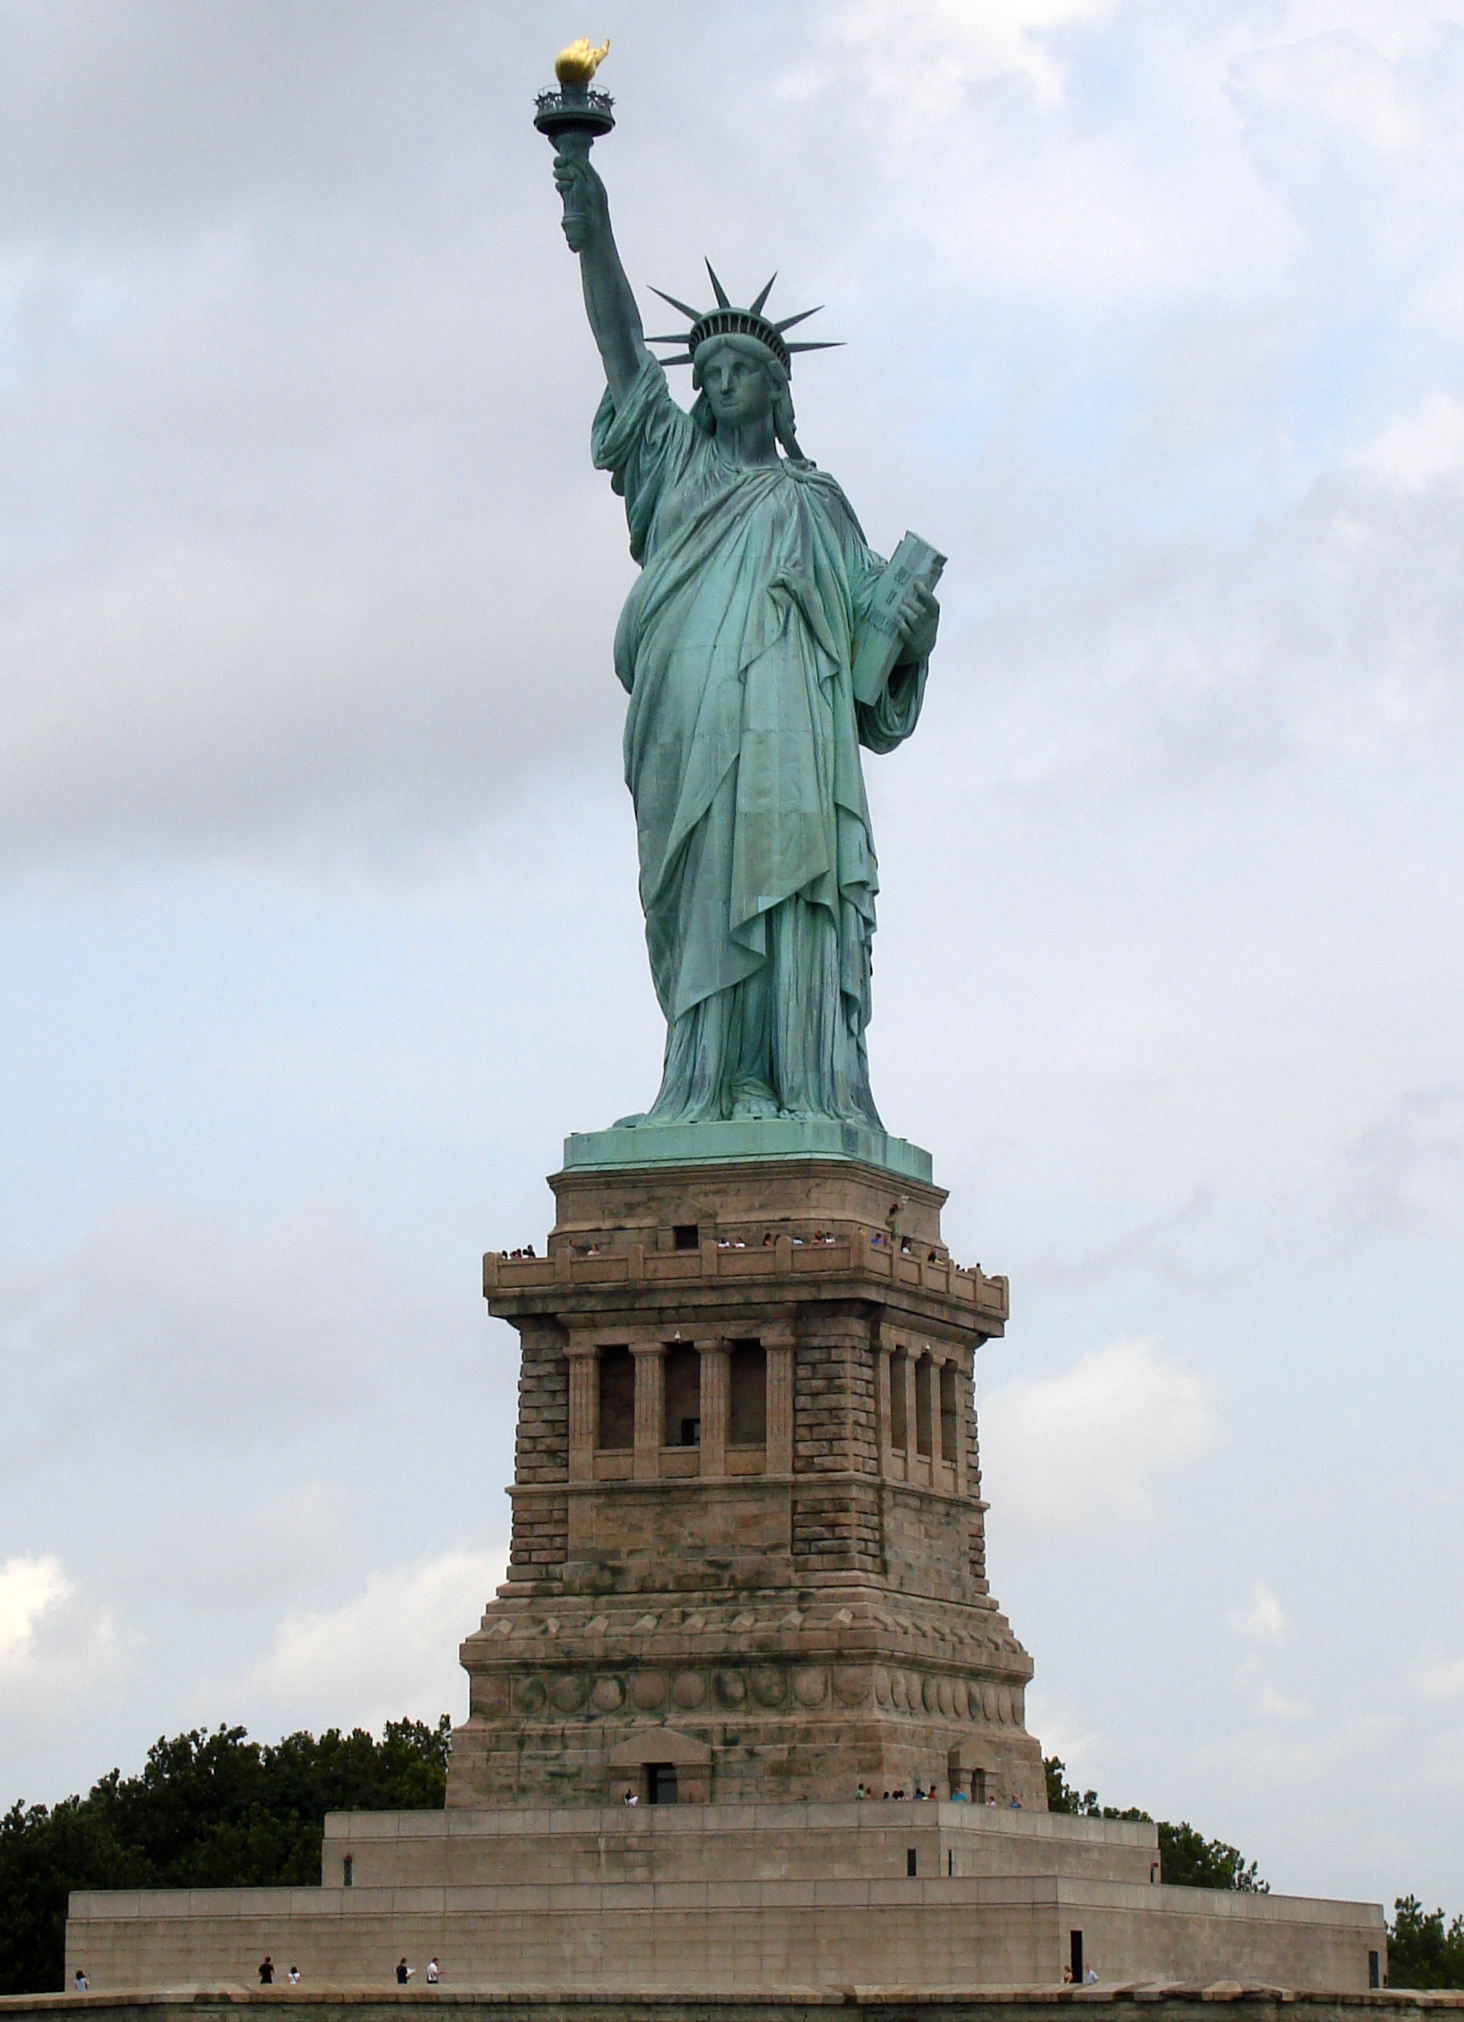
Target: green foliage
point(1186, 1858)
point(1060, 1794)
point(1191, 1861)
point(211, 1809)
point(1421, 1953)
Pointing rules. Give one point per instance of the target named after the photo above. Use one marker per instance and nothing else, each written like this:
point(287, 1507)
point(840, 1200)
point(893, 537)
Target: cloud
point(1264, 1621)
point(1422, 448)
point(1076, 1456)
point(1273, 1705)
point(921, 58)
point(1263, 1625)
point(1403, 1171)
point(289, 499)
point(1341, 80)
point(392, 1650)
point(57, 1646)
point(169, 1320)
point(28, 1589)
point(1166, 1244)
point(1441, 1678)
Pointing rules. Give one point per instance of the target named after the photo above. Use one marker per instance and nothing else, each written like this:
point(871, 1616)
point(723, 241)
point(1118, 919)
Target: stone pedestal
point(748, 1556)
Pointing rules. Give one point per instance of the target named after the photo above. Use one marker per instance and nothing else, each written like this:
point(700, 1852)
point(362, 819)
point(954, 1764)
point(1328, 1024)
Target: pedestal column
point(714, 1389)
point(584, 1406)
point(650, 1407)
point(777, 1342)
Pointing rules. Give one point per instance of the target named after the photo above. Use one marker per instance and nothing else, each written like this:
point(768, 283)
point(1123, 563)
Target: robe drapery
point(757, 865)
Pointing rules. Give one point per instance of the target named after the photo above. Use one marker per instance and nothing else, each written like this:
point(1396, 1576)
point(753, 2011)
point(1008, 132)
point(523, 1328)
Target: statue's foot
point(753, 1099)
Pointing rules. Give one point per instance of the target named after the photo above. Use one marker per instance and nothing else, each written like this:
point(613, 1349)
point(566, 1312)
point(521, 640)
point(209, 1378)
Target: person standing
point(81, 1983)
point(404, 1971)
point(432, 1971)
point(266, 1971)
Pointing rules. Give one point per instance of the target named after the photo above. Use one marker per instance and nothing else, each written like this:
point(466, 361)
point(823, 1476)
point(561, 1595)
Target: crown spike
point(682, 306)
point(685, 359)
point(802, 316)
point(757, 306)
point(676, 337)
point(722, 301)
point(829, 344)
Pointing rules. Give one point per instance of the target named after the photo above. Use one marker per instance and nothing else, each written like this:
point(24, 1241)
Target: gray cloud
point(171, 1324)
point(1404, 1171)
point(297, 538)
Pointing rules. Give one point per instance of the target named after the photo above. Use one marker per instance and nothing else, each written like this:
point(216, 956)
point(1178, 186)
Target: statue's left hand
point(919, 621)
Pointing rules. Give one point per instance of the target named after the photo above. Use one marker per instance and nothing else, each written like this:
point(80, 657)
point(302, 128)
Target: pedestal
point(748, 1558)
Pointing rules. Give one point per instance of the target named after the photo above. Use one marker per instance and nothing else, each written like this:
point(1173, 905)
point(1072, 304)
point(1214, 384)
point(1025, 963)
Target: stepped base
point(700, 1900)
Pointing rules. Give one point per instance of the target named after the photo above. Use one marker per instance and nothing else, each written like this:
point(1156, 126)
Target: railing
point(859, 1255)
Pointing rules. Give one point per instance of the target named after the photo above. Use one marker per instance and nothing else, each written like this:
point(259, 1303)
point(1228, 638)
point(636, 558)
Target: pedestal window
point(899, 1414)
point(924, 1413)
point(949, 1444)
point(683, 1395)
point(617, 1400)
point(747, 1409)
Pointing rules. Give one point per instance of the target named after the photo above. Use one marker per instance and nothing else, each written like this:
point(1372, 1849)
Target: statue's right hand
point(586, 206)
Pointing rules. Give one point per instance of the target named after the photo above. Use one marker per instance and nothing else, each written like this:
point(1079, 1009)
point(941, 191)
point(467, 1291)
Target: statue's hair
point(748, 347)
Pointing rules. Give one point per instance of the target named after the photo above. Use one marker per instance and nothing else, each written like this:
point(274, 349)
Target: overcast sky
point(318, 926)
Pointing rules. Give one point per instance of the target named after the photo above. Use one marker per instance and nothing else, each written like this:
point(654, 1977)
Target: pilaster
point(713, 1408)
point(584, 1404)
point(650, 1407)
point(777, 1341)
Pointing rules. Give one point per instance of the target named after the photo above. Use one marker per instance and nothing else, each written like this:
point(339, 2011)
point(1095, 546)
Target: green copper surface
point(743, 733)
point(652, 1144)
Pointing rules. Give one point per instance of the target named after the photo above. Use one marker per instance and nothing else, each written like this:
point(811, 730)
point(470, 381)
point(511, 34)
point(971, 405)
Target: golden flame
point(578, 63)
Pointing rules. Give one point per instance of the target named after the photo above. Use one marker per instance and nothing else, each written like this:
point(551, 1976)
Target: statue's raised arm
point(609, 301)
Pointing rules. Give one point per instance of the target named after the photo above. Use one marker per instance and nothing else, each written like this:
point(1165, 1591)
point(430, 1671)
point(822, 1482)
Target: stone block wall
point(540, 1538)
point(976, 1518)
point(927, 1544)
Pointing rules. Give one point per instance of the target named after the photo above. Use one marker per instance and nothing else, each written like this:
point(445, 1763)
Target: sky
point(318, 926)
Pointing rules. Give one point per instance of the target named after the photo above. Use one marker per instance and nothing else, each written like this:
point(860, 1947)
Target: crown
point(726, 320)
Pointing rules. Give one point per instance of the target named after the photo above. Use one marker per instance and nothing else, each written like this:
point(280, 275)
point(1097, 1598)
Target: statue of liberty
point(742, 734)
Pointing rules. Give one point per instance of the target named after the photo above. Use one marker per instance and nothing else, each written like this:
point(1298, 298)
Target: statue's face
point(738, 390)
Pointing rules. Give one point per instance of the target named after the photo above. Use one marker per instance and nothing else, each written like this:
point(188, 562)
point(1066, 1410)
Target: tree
point(211, 1809)
point(1421, 1953)
point(1186, 1858)
point(1190, 1860)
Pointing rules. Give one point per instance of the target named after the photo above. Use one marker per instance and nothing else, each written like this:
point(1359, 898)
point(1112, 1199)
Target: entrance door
point(661, 1782)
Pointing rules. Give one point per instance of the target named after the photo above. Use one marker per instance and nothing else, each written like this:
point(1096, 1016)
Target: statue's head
point(740, 363)
point(740, 383)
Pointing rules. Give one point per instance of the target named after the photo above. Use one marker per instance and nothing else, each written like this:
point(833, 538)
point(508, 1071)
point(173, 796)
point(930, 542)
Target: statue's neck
point(753, 443)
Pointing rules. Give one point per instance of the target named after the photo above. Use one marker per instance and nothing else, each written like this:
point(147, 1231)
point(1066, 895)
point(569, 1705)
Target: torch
point(572, 118)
